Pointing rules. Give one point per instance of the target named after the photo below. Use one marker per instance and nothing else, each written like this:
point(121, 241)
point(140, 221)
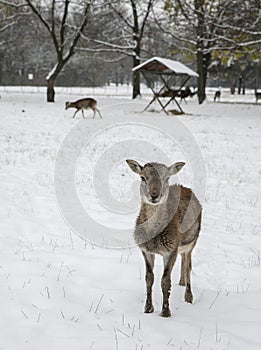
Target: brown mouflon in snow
point(169, 222)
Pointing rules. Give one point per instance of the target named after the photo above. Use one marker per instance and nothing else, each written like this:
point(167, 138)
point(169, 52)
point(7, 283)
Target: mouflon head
point(154, 187)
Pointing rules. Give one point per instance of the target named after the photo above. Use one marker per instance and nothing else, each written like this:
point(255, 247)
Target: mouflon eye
point(143, 179)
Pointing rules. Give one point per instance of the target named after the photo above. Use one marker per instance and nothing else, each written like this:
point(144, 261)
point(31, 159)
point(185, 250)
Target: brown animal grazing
point(183, 94)
point(186, 93)
point(258, 96)
point(168, 223)
point(217, 95)
point(84, 103)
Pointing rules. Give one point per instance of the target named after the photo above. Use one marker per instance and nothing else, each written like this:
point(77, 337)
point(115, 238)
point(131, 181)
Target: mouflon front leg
point(169, 261)
point(149, 261)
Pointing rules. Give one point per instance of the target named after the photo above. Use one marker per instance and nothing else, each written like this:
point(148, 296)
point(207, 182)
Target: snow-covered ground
point(61, 291)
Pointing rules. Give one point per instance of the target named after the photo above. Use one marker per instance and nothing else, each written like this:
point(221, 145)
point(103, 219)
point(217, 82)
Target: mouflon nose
point(154, 196)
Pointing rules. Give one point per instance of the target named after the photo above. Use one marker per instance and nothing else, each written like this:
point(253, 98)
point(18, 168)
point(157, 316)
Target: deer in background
point(183, 93)
point(258, 95)
point(84, 103)
point(186, 93)
point(168, 223)
point(217, 95)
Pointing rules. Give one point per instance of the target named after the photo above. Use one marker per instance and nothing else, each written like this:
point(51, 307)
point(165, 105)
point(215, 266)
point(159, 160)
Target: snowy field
point(60, 291)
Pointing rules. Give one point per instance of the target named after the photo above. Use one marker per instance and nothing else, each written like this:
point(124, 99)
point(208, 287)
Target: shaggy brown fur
point(168, 223)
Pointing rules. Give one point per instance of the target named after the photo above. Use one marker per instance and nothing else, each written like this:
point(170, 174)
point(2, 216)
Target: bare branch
point(103, 50)
point(63, 27)
point(38, 14)
point(7, 26)
point(149, 8)
point(78, 33)
point(8, 3)
point(105, 43)
point(121, 16)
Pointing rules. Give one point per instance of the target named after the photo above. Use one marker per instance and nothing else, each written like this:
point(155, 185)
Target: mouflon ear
point(175, 168)
point(135, 166)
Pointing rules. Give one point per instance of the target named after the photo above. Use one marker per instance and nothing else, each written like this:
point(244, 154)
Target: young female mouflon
point(168, 223)
point(82, 104)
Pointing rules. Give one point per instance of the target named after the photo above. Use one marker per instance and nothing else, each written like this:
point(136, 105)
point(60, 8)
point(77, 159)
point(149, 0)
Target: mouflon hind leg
point(182, 272)
point(188, 267)
point(99, 113)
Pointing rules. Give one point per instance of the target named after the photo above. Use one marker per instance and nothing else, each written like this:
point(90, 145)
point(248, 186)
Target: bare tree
point(64, 21)
point(125, 32)
point(9, 13)
point(204, 27)
point(137, 26)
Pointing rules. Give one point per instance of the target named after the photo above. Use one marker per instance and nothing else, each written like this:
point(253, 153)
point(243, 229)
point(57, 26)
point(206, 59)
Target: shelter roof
point(165, 66)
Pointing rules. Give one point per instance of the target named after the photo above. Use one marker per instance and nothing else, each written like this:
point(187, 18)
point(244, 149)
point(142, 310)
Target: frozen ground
point(62, 292)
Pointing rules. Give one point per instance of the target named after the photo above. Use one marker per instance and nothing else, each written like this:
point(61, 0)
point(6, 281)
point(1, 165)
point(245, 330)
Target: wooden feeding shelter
point(166, 78)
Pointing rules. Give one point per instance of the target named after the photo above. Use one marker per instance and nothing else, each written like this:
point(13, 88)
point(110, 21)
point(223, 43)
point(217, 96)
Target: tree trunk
point(239, 85)
point(201, 78)
point(136, 78)
point(257, 75)
point(202, 68)
point(232, 88)
point(201, 64)
point(50, 90)
point(244, 78)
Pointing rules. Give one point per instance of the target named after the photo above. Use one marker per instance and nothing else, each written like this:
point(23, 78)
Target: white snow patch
point(60, 292)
